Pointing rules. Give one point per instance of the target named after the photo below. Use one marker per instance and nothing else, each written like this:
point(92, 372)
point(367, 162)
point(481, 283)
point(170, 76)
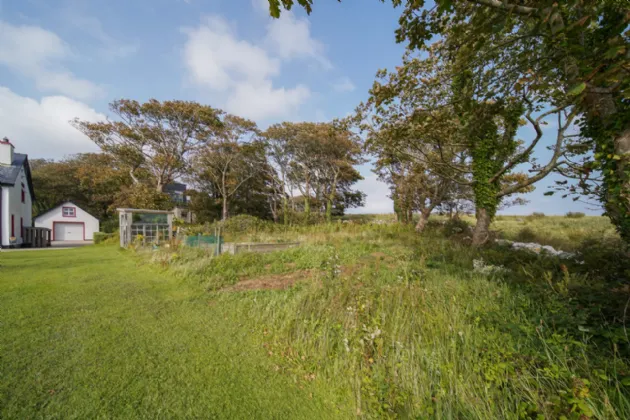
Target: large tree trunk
point(422, 222)
point(481, 233)
point(601, 106)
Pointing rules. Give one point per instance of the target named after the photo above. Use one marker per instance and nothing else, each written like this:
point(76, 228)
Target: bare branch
point(553, 162)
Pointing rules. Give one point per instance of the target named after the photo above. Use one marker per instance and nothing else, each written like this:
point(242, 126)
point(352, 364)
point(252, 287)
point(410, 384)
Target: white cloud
point(343, 85)
point(290, 37)
point(42, 128)
point(263, 101)
point(377, 192)
point(37, 54)
point(217, 60)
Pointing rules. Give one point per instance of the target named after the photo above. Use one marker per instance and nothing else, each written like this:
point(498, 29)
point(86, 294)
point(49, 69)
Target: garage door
point(68, 232)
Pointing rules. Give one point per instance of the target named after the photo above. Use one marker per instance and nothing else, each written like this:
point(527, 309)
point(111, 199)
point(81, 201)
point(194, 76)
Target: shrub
point(606, 258)
point(455, 226)
point(574, 215)
point(109, 225)
point(106, 238)
point(99, 237)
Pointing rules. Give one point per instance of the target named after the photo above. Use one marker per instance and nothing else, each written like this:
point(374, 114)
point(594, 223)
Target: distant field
point(559, 231)
point(364, 319)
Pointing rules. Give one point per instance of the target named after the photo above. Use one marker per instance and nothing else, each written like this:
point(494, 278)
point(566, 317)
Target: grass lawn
point(89, 333)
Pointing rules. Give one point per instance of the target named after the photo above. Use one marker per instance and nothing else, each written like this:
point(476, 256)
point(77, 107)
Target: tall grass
point(405, 326)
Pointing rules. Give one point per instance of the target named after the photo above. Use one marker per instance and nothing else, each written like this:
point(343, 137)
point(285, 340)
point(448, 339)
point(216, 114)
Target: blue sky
point(70, 58)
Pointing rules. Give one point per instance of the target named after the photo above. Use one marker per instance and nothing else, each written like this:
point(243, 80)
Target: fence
point(205, 241)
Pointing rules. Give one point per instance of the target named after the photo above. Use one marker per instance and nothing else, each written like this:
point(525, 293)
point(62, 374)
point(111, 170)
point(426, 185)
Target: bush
point(109, 225)
point(106, 238)
point(574, 215)
point(236, 224)
point(456, 226)
point(537, 215)
point(606, 258)
point(99, 237)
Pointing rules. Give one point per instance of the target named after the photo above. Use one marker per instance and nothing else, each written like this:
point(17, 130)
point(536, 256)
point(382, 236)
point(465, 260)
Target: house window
point(69, 211)
point(23, 193)
point(21, 227)
point(13, 225)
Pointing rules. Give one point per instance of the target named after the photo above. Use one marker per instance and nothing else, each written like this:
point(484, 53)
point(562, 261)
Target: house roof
point(63, 204)
point(9, 174)
point(175, 187)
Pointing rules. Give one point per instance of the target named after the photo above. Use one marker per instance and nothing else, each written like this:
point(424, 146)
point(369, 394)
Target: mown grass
point(403, 326)
point(88, 333)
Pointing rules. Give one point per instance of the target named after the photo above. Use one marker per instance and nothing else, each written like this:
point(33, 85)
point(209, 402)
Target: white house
point(69, 222)
point(16, 195)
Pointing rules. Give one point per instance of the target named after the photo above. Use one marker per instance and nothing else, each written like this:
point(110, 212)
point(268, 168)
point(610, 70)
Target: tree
point(154, 137)
point(576, 50)
point(227, 163)
point(91, 180)
point(339, 150)
point(305, 144)
point(415, 182)
point(437, 115)
point(280, 139)
point(322, 162)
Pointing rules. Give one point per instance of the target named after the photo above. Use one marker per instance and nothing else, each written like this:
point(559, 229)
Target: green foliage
point(99, 237)
point(456, 226)
point(152, 141)
point(90, 180)
point(537, 215)
point(141, 196)
point(112, 238)
point(606, 258)
point(109, 225)
point(574, 215)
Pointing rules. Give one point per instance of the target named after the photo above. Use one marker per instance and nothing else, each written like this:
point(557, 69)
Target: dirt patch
point(380, 255)
point(271, 282)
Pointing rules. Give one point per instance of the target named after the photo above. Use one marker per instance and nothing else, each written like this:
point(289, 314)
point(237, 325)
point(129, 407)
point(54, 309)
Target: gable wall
point(12, 205)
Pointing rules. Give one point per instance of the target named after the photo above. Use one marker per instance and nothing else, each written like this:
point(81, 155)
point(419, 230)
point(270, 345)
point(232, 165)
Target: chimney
point(6, 152)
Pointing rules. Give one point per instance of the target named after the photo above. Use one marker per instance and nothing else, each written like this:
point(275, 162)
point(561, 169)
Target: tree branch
point(515, 8)
point(553, 162)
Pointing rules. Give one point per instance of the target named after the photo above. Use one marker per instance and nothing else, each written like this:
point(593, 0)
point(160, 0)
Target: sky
point(66, 59)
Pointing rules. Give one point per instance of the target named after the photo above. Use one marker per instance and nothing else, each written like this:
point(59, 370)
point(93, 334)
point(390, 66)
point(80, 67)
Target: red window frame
point(74, 211)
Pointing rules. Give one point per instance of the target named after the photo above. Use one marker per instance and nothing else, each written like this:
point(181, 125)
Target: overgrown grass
point(404, 326)
point(558, 231)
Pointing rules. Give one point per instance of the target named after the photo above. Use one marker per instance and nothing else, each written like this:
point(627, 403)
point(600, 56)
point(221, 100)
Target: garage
point(65, 231)
point(68, 223)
